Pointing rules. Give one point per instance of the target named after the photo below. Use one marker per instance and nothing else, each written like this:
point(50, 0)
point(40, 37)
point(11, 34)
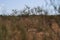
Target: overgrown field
point(30, 27)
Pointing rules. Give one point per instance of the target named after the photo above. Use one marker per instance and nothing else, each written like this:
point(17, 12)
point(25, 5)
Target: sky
point(20, 4)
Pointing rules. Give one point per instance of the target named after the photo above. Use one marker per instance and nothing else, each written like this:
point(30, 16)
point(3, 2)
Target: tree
point(59, 10)
point(52, 3)
point(26, 11)
point(14, 12)
point(55, 7)
point(39, 10)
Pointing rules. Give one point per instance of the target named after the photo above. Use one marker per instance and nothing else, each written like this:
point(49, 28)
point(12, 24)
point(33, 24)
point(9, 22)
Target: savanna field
point(30, 27)
point(29, 19)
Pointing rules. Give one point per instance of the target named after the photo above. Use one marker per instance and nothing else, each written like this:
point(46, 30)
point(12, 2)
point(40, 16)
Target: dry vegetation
point(29, 27)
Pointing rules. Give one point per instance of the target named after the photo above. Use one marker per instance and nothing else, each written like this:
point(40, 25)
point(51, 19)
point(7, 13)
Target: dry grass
point(29, 28)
